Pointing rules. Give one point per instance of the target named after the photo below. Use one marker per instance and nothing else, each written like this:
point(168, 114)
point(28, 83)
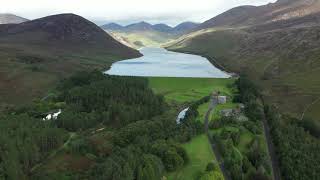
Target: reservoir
point(158, 62)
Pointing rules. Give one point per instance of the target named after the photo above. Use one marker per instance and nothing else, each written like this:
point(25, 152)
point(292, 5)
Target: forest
point(296, 145)
point(138, 136)
point(118, 128)
point(297, 149)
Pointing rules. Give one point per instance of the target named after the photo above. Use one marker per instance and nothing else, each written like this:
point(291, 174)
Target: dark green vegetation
point(242, 141)
point(36, 54)
point(297, 148)
point(110, 128)
point(25, 141)
point(117, 128)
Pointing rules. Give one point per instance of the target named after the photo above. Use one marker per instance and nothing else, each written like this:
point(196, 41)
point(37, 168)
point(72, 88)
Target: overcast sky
point(127, 11)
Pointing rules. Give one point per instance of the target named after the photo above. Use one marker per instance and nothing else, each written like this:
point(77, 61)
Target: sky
point(125, 12)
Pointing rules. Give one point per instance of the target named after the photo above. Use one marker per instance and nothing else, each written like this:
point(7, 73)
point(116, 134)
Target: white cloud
point(126, 11)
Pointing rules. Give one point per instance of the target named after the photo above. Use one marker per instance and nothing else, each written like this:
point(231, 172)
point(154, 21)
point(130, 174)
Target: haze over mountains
point(45, 50)
point(144, 26)
point(276, 44)
point(11, 19)
point(145, 34)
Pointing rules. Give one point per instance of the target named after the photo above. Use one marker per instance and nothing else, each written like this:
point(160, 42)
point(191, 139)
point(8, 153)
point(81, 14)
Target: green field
point(200, 154)
point(189, 89)
point(182, 90)
point(202, 111)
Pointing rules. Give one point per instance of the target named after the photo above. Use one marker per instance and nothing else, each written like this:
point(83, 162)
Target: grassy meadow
point(181, 91)
point(200, 154)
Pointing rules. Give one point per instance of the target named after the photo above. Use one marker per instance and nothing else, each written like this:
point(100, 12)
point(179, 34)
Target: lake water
point(158, 62)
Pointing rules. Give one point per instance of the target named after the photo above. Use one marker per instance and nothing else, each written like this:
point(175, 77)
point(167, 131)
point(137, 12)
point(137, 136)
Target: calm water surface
point(158, 62)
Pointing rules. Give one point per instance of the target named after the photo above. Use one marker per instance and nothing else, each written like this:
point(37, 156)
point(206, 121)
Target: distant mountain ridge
point(11, 19)
point(144, 26)
point(145, 34)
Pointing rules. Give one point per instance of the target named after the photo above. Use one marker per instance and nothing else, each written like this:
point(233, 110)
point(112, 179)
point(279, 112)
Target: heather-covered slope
point(35, 54)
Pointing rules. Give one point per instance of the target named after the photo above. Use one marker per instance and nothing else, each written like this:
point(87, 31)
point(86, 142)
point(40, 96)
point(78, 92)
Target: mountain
point(11, 19)
point(144, 26)
point(277, 45)
point(145, 34)
point(36, 54)
point(272, 12)
point(141, 26)
point(162, 28)
point(140, 34)
point(185, 27)
point(112, 27)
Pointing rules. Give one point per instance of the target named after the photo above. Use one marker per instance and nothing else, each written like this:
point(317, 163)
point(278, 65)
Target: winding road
point(213, 103)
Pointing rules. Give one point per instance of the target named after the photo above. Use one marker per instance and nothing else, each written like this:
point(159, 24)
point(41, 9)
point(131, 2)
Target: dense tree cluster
point(24, 142)
point(118, 123)
point(297, 147)
point(154, 147)
point(297, 150)
point(94, 98)
point(253, 161)
point(211, 172)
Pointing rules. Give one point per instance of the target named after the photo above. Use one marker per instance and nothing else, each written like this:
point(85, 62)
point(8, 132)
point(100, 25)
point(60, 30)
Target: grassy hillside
point(35, 55)
point(278, 11)
point(275, 44)
point(283, 62)
point(140, 39)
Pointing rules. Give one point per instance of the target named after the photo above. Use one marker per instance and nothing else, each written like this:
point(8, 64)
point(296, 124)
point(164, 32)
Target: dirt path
point(71, 135)
point(214, 147)
point(308, 107)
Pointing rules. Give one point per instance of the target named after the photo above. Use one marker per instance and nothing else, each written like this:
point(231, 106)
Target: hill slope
point(252, 15)
point(35, 54)
point(280, 54)
point(11, 19)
